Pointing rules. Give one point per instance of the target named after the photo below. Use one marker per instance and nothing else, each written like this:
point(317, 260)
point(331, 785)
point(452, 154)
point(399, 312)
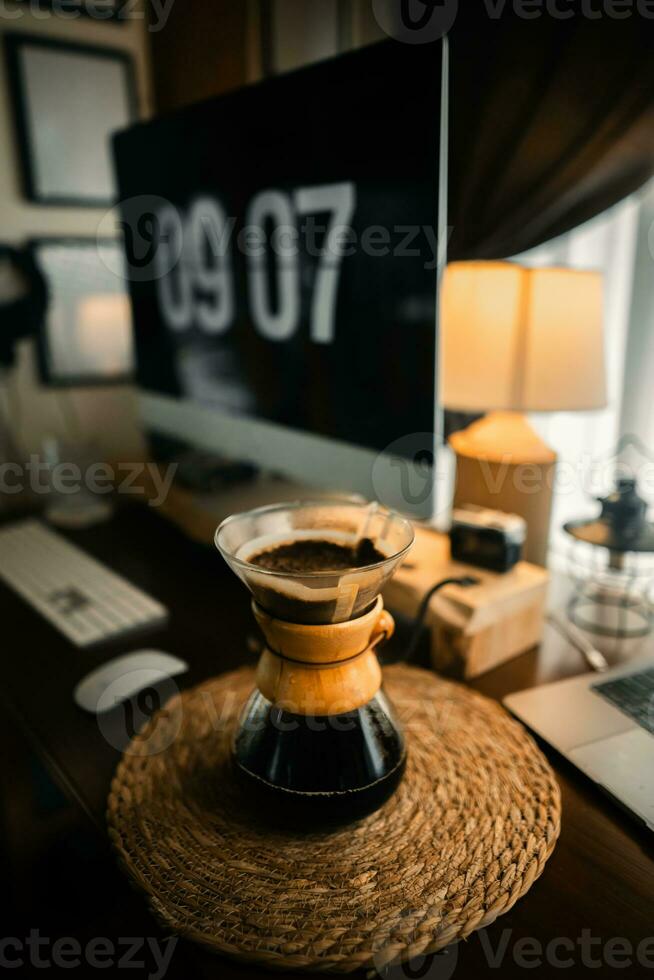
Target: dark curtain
point(552, 122)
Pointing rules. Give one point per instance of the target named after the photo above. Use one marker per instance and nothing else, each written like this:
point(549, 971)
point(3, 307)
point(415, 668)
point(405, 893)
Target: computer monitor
point(284, 244)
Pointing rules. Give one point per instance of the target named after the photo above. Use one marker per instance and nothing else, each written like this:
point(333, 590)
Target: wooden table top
point(597, 889)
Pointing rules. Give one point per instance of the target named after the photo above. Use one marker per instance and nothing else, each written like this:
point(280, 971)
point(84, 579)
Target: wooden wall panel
point(202, 51)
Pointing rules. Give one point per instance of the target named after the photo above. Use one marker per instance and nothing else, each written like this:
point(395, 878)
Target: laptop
point(604, 724)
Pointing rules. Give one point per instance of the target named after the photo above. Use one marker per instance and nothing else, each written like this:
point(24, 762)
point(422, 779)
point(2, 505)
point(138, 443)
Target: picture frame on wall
point(86, 336)
point(68, 99)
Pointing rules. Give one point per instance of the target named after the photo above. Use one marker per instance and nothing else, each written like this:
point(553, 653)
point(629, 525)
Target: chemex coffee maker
point(317, 742)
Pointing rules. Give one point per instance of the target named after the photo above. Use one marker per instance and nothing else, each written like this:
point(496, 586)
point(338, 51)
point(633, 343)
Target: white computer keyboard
point(82, 598)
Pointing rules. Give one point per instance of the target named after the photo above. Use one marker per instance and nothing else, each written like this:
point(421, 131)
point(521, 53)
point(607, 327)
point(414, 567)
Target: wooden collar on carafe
point(322, 670)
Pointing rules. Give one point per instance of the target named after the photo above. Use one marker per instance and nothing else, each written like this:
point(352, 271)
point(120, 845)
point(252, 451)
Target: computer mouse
point(121, 678)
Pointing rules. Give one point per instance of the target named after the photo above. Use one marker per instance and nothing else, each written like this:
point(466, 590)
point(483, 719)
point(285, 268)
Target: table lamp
point(517, 340)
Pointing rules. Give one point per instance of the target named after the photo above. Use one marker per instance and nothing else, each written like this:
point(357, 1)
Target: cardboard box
point(472, 629)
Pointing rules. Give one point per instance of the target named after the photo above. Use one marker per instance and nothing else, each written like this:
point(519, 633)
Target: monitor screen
point(282, 247)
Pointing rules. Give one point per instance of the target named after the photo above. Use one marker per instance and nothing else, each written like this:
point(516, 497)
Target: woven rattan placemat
point(466, 834)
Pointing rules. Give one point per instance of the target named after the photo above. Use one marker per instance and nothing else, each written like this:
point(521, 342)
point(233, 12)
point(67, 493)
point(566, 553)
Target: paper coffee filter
point(314, 597)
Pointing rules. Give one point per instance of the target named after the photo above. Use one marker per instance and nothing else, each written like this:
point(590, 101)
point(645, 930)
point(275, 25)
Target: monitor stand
point(198, 513)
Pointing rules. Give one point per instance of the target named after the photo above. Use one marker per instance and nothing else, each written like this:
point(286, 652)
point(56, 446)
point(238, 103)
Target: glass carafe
point(317, 741)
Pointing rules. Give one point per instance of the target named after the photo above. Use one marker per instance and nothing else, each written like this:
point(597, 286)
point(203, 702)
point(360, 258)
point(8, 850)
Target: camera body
point(487, 538)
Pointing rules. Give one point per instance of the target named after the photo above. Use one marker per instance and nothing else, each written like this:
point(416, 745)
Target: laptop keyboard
point(633, 695)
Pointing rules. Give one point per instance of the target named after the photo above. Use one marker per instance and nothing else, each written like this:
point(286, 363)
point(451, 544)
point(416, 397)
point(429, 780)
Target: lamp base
point(503, 464)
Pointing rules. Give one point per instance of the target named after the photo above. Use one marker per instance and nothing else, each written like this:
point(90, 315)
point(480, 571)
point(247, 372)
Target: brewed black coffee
point(309, 771)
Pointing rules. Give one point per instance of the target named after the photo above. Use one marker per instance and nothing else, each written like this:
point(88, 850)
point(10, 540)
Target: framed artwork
point(68, 100)
point(86, 336)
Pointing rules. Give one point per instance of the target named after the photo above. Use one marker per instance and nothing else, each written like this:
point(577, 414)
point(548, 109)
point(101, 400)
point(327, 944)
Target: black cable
point(418, 623)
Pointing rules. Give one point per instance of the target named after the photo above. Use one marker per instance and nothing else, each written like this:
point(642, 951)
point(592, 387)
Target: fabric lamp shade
point(522, 340)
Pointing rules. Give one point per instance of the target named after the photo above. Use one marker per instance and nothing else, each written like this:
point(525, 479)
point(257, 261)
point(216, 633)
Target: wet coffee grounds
point(317, 555)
